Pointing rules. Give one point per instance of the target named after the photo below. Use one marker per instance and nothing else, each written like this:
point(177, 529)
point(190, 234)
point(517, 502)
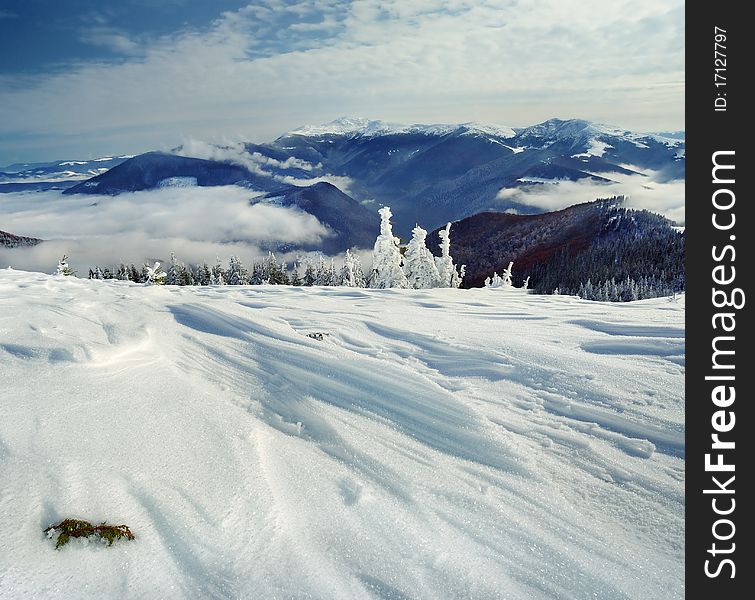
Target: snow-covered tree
point(218, 276)
point(448, 274)
point(325, 273)
point(63, 268)
point(295, 277)
point(178, 273)
point(526, 283)
point(237, 273)
point(171, 276)
point(419, 264)
point(506, 276)
point(351, 273)
point(386, 256)
point(204, 274)
point(155, 274)
point(494, 282)
point(272, 272)
point(504, 280)
point(310, 274)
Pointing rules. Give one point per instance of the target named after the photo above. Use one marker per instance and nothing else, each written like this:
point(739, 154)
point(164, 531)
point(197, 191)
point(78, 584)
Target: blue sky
point(84, 78)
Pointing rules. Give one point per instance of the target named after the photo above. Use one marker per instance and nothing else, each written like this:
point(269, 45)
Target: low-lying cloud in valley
point(197, 223)
point(259, 164)
point(647, 190)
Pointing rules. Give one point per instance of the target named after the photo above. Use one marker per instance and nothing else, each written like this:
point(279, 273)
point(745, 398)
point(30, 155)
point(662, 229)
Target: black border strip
point(710, 129)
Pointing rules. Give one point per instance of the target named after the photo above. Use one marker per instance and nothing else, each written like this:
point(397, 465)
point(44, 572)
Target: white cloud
point(255, 162)
point(615, 61)
point(342, 182)
point(236, 153)
point(111, 38)
point(644, 190)
point(197, 224)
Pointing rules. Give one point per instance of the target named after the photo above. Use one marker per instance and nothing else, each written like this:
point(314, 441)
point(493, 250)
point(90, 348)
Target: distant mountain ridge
point(58, 174)
point(156, 169)
point(9, 240)
point(598, 240)
point(351, 223)
point(427, 174)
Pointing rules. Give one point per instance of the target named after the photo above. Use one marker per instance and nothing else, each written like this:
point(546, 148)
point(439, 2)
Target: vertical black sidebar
point(720, 426)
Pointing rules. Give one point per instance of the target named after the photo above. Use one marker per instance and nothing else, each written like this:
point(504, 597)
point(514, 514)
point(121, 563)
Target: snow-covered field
point(434, 444)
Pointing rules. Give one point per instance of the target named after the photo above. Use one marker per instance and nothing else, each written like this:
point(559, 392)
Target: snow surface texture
point(430, 444)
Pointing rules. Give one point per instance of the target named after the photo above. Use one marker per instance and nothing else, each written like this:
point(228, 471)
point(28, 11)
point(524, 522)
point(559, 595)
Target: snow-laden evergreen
point(218, 276)
point(352, 274)
point(448, 274)
point(237, 272)
point(386, 256)
point(504, 280)
point(326, 273)
point(494, 282)
point(155, 274)
point(178, 273)
point(419, 263)
point(63, 268)
point(310, 274)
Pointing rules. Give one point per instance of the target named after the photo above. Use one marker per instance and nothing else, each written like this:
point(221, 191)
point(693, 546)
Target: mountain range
point(9, 240)
point(429, 174)
point(60, 174)
point(343, 171)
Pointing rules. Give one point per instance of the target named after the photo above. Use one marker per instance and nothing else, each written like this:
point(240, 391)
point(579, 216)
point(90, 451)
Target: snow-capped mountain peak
point(499, 131)
point(359, 126)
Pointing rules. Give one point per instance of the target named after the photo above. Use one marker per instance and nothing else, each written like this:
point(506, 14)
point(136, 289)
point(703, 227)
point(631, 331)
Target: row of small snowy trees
point(415, 267)
point(265, 271)
point(504, 280)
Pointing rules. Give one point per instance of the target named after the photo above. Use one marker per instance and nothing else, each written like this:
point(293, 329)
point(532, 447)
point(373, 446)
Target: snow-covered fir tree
point(203, 275)
point(310, 274)
point(218, 276)
point(325, 273)
point(506, 276)
point(237, 273)
point(155, 274)
point(178, 273)
point(494, 282)
point(272, 272)
point(419, 264)
point(386, 256)
point(63, 268)
point(257, 274)
point(352, 274)
point(448, 274)
point(171, 275)
point(295, 277)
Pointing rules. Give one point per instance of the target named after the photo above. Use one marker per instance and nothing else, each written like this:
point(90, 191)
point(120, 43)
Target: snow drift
point(432, 444)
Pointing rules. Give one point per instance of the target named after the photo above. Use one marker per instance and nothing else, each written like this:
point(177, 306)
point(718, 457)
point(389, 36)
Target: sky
point(85, 78)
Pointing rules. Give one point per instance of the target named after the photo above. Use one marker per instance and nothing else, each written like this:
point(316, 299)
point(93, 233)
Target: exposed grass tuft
point(76, 528)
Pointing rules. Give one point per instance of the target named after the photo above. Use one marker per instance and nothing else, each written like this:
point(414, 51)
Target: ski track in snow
point(434, 444)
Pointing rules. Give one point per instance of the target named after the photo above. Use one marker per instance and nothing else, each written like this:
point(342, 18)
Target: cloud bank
point(197, 223)
point(236, 153)
point(647, 190)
